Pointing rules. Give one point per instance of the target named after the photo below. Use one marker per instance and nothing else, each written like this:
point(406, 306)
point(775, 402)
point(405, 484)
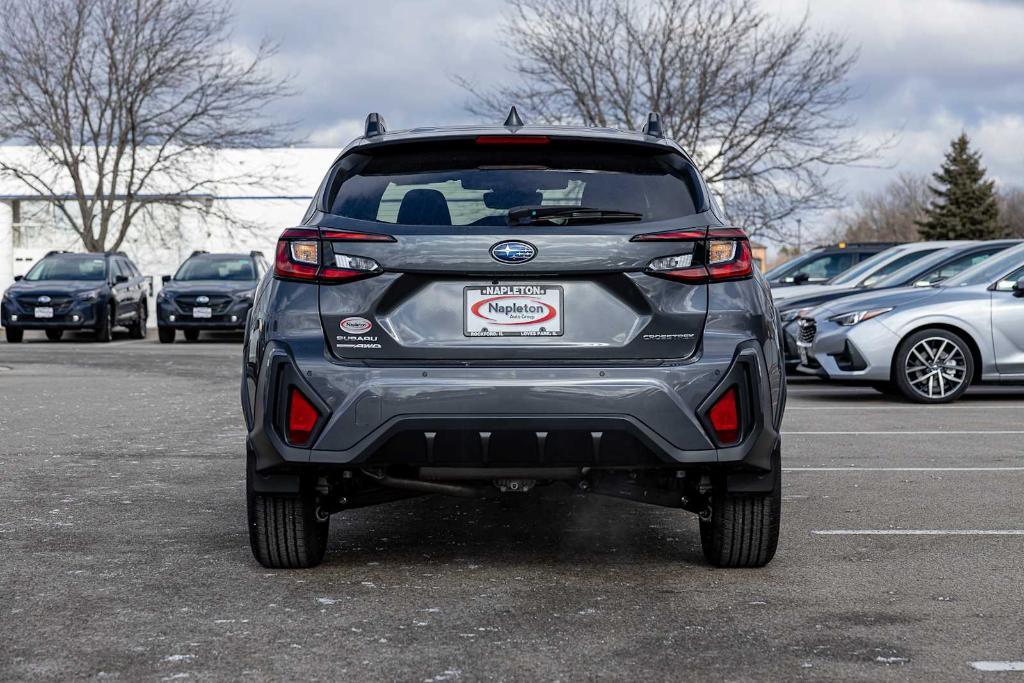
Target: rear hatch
point(512, 250)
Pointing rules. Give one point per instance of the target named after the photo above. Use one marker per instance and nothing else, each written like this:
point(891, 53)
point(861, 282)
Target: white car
point(871, 269)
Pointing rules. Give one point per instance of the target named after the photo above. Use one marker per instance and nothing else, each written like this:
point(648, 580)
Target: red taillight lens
point(302, 417)
point(727, 255)
point(725, 417)
point(686, 235)
point(299, 256)
point(351, 236)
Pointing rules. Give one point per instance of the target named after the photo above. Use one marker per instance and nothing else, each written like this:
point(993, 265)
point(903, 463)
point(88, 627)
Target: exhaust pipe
point(425, 486)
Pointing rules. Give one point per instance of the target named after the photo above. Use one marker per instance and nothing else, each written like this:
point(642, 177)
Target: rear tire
point(744, 528)
point(54, 335)
point(14, 335)
point(284, 532)
point(166, 334)
point(933, 366)
point(138, 329)
point(191, 335)
point(105, 329)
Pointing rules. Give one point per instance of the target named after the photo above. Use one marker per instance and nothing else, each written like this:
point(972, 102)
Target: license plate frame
point(527, 310)
point(202, 312)
point(804, 356)
point(43, 312)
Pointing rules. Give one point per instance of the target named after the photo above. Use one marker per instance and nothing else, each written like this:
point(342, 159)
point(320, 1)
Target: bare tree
point(758, 105)
point(888, 215)
point(124, 103)
point(1011, 210)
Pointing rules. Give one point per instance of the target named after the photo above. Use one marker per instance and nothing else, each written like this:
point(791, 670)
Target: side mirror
point(165, 278)
point(121, 279)
point(801, 278)
point(19, 278)
point(1018, 288)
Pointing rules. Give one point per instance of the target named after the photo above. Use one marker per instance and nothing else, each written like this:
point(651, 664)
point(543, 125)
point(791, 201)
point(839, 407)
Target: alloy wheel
point(936, 367)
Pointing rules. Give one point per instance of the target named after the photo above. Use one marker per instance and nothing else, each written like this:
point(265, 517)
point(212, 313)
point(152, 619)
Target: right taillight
point(306, 254)
point(726, 256)
point(724, 417)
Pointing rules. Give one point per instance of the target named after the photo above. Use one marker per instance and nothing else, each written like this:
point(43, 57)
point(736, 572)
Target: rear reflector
point(725, 417)
point(302, 417)
point(513, 140)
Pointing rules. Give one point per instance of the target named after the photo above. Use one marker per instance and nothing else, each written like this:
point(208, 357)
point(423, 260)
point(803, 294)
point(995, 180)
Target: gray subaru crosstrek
point(486, 311)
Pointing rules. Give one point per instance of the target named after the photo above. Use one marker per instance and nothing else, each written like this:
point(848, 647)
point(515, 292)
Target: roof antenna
point(653, 125)
point(375, 125)
point(513, 120)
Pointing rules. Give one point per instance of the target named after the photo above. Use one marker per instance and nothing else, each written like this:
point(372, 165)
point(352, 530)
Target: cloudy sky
point(927, 69)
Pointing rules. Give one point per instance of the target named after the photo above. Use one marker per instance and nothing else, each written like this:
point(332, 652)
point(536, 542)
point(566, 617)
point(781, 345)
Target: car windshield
point(217, 268)
point(989, 270)
point(473, 185)
point(69, 267)
point(853, 275)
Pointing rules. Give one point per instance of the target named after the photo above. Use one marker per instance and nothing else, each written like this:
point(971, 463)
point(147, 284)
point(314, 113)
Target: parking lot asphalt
point(123, 549)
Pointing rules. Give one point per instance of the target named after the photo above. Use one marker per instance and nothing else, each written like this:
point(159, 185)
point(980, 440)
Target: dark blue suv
point(209, 292)
point(65, 291)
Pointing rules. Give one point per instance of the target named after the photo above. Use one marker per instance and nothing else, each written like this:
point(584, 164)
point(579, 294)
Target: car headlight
point(855, 317)
point(88, 297)
point(247, 296)
point(789, 316)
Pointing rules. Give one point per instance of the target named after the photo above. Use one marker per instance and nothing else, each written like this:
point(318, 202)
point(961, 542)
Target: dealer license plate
point(512, 311)
point(44, 311)
point(202, 312)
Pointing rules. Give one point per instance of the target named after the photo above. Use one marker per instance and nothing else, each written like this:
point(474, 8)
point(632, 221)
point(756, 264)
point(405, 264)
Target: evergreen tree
point(964, 205)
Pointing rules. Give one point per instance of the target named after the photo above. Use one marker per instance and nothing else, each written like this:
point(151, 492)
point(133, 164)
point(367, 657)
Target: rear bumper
point(508, 416)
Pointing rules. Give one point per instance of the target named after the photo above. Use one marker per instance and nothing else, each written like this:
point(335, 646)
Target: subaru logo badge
point(202, 299)
point(513, 252)
point(44, 299)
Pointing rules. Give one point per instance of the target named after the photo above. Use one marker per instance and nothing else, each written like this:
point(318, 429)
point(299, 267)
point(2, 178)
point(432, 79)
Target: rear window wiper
point(527, 215)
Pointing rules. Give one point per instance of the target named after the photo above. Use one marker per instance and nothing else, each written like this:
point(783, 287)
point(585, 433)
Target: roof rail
point(513, 119)
point(197, 252)
point(375, 125)
point(653, 125)
point(57, 251)
point(110, 252)
point(256, 252)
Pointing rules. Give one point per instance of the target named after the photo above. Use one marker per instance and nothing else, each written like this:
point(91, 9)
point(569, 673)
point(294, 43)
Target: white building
point(30, 225)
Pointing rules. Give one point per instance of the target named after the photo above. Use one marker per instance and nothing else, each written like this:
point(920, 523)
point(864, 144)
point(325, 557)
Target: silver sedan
point(929, 344)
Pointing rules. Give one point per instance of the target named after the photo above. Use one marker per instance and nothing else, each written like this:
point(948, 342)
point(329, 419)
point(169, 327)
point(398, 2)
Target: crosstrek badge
point(356, 325)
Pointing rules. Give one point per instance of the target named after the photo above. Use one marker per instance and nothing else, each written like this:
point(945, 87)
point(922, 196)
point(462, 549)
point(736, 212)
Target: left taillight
point(307, 254)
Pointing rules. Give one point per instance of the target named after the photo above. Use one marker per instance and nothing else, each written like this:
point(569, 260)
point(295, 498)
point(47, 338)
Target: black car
point(823, 263)
point(209, 292)
point(65, 291)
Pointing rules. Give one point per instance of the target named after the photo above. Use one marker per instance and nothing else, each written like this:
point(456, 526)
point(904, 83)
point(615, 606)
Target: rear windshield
point(69, 267)
point(477, 185)
point(216, 268)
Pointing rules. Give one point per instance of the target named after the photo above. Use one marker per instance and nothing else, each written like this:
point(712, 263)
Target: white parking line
point(997, 666)
point(918, 532)
point(951, 408)
point(930, 432)
point(903, 469)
